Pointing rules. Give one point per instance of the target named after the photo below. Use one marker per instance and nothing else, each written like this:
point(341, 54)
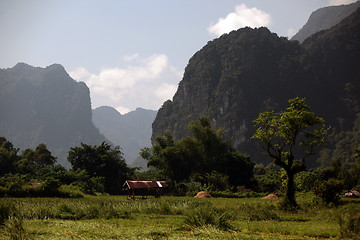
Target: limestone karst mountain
point(131, 131)
point(235, 77)
point(325, 18)
point(45, 105)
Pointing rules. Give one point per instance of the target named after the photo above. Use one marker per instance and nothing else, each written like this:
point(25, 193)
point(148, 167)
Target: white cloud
point(166, 90)
point(340, 2)
point(80, 73)
point(132, 57)
point(291, 32)
point(242, 17)
point(122, 109)
point(143, 82)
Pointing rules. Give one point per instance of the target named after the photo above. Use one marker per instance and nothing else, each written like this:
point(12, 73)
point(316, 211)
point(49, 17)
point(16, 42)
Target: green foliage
point(259, 212)
point(289, 138)
point(51, 186)
point(202, 153)
point(102, 161)
point(11, 222)
point(14, 229)
point(150, 174)
point(349, 221)
point(6, 210)
point(267, 178)
point(18, 185)
point(111, 217)
point(341, 146)
point(206, 216)
point(32, 161)
point(213, 181)
point(304, 181)
point(230, 194)
point(97, 169)
point(8, 156)
point(329, 191)
point(354, 171)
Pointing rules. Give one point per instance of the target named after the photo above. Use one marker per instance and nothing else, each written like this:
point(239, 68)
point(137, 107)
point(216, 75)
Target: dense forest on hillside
point(235, 77)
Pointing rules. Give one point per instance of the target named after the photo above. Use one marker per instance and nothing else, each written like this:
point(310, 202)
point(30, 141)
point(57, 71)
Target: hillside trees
point(202, 153)
point(340, 146)
point(35, 172)
point(32, 161)
point(8, 156)
point(289, 138)
point(102, 161)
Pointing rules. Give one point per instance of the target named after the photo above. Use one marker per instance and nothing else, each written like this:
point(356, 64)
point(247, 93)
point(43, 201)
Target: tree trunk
point(290, 191)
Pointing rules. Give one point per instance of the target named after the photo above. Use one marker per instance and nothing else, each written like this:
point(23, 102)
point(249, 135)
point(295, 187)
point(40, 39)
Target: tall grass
point(209, 216)
point(14, 229)
point(184, 215)
point(97, 207)
point(349, 221)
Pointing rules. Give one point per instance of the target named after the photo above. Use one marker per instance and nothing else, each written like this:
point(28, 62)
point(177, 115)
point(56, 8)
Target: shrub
point(65, 211)
point(349, 221)
point(267, 178)
point(5, 212)
point(70, 191)
point(329, 191)
point(14, 229)
point(12, 223)
point(215, 217)
point(229, 194)
point(259, 212)
point(51, 186)
point(304, 181)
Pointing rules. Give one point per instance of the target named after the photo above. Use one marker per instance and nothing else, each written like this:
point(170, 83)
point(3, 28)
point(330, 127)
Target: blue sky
point(132, 53)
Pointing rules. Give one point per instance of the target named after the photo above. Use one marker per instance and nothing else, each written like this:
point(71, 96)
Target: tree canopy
point(8, 156)
point(289, 138)
point(203, 152)
point(102, 161)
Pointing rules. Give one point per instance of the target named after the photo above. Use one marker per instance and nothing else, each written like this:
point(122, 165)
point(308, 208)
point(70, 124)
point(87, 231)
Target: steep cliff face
point(45, 105)
point(230, 80)
point(325, 18)
point(248, 71)
point(131, 131)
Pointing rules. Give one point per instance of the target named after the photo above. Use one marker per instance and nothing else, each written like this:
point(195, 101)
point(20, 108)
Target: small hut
point(130, 186)
point(352, 193)
point(203, 194)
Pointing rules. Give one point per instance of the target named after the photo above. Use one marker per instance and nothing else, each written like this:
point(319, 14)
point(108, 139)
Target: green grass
point(114, 217)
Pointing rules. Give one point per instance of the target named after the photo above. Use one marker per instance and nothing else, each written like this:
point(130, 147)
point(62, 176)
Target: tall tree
point(8, 156)
point(102, 161)
point(31, 161)
point(289, 138)
point(203, 152)
point(355, 168)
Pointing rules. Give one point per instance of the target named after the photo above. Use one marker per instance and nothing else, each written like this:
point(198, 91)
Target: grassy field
point(114, 217)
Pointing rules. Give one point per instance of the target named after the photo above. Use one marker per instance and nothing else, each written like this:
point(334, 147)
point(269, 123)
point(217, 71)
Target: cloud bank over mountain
point(142, 81)
point(241, 17)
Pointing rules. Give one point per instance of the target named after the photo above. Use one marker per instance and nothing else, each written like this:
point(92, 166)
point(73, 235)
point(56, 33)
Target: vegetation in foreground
point(203, 161)
point(114, 217)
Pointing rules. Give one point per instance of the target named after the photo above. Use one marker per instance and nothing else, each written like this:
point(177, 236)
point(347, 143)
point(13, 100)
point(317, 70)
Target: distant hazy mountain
point(131, 131)
point(324, 18)
point(235, 77)
point(45, 105)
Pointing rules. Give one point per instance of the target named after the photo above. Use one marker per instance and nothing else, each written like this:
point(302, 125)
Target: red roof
point(144, 184)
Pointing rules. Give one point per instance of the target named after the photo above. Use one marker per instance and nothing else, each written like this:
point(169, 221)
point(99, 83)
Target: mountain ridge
point(324, 18)
point(233, 78)
point(45, 105)
point(130, 131)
